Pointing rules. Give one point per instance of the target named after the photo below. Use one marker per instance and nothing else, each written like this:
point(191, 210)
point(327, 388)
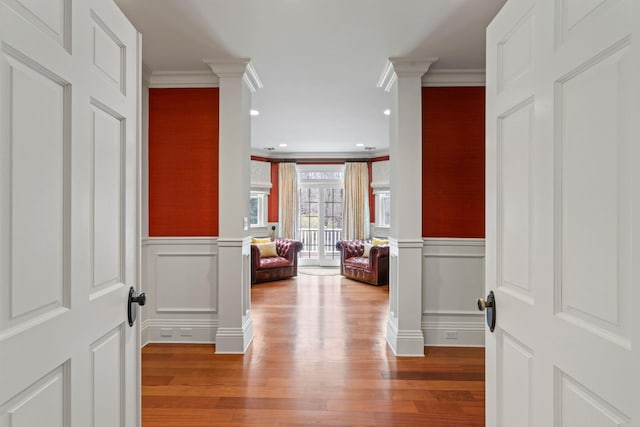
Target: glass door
point(320, 223)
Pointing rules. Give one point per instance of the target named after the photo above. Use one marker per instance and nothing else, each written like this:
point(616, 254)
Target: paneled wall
point(452, 279)
point(181, 282)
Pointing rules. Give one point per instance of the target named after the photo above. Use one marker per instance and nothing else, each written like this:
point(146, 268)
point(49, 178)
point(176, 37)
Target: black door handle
point(490, 307)
point(132, 305)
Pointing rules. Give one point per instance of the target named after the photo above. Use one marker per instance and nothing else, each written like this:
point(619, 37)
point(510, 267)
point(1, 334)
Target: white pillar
point(238, 80)
point(402, 79)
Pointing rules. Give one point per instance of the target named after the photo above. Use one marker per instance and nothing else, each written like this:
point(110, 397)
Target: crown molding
point(182, 79)
point(242, 67)
point(454, 77)
point(318, 155)
point(403, 67)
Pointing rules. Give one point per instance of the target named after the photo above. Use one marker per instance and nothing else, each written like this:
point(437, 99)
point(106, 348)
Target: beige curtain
point(356, 202)
point(288, 204)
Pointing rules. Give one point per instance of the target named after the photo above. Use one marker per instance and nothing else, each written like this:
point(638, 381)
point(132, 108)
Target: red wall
point(453, 161)
point(183, 162)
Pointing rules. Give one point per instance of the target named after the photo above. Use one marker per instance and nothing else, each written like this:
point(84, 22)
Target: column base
point(405, 343)
point(234, 340)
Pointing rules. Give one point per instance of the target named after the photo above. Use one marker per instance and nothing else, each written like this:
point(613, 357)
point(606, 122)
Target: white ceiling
point(319, 60)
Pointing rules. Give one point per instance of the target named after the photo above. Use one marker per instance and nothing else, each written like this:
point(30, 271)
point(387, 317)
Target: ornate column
point(402, 79)
point(238, 80)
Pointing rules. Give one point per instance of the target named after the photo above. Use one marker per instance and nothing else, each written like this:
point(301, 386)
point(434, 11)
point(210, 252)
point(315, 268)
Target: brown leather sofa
point(283, 266)
point(373, 269)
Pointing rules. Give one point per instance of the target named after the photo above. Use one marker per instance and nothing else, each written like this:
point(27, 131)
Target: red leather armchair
point(283, 266)
point(373, 269)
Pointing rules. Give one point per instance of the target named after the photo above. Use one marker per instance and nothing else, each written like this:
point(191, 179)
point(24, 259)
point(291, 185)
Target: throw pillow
point(377, 242)
point(367, 249)
point(267, 250)
point(257, 240)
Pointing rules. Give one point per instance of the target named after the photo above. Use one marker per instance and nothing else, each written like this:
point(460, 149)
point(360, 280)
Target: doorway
point(321, 198)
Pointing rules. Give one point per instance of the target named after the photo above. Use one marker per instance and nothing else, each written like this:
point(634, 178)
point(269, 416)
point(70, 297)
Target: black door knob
point(133, 303)
point(489, 305)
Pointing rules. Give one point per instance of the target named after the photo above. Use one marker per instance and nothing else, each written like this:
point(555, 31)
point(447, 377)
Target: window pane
point(385, 209)
point(253, 210)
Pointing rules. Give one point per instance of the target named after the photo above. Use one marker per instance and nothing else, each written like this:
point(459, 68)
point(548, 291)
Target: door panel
point(68, 214)
point(107, 377)
point(594, 230)
point(515, 382)
point(49, 395)
point(562, 200)
point(34, 160)
point(107, 209)
point(515, 133)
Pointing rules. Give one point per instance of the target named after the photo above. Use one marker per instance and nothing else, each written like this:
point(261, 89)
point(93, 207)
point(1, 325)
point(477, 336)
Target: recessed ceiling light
point(254, 112)
point(387, 112)
point(282, 145)
point(359, 145)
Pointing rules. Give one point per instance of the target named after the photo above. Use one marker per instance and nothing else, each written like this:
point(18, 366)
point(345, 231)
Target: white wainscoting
point(180, 278)
point(452, 281)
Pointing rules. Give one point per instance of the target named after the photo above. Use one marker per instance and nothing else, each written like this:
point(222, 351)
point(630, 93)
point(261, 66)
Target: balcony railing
point(310, 238)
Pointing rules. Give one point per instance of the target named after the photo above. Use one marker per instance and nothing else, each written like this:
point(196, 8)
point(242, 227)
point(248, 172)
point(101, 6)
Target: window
point(258, 209)
point(383, 209)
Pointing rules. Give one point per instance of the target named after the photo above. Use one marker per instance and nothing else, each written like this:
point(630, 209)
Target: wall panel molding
point(180, 277)
point(452, 280)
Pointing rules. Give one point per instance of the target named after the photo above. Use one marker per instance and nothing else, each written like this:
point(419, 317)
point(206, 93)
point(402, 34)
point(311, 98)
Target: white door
point(320, 223)
point(563, 223)
point(68, 214)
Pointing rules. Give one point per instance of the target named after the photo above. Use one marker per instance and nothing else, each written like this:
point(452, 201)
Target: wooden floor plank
point(319, 357)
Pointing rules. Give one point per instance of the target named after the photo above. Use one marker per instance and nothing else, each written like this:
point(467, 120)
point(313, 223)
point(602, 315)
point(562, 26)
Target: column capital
point(403, 67)
point(242, 67)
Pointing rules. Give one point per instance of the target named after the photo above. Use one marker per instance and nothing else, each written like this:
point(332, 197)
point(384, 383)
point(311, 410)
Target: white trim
point(242, 67)
point(183, 79)
point(312, 155)
point(468, 334)
point(234, 340)
point(150, 241)
point(387, 78)
point(175, 331)
point(252, 77)
point(229, 242)
point(454, 78)
point(405, 343)
point(403, 67)
point(146, 75)
point(453, 241)
point(470, 313)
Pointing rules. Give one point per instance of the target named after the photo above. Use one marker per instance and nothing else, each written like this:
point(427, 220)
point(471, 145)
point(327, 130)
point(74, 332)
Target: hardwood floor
point(318, 358)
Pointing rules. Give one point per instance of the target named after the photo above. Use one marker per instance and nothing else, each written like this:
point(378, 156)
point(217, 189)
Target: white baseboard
point(453, 334)
point(179, 331)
